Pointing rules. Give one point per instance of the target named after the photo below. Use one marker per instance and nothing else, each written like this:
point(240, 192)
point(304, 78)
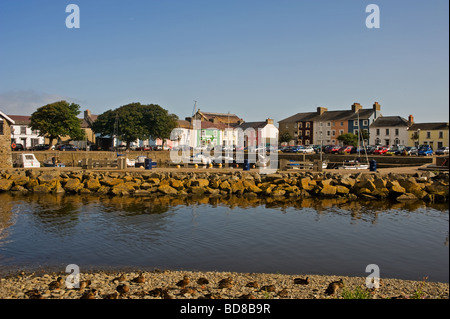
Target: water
point(407, 241)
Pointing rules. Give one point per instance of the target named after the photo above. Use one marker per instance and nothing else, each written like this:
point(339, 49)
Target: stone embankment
point(425, 186)
point(164, 284)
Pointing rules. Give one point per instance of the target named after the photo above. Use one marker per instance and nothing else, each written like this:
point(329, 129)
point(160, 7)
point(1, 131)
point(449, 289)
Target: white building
point(389, 130)
point(21, 133)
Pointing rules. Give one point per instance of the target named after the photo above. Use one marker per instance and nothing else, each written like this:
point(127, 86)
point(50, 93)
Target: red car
point(335, 149)
point(380, 151)
point(345, 150)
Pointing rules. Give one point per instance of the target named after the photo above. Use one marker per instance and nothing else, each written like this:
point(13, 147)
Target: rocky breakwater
point(426, 186)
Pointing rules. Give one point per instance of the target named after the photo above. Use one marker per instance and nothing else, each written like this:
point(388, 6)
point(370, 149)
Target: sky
point(257, 59)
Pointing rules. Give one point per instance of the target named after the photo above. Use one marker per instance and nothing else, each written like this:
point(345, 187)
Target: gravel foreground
point(164, 284)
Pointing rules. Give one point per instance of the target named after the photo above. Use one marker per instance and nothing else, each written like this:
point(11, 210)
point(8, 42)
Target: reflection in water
point(238, 232)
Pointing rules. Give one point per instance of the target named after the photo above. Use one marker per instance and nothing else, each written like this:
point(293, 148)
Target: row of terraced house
point(325, 126)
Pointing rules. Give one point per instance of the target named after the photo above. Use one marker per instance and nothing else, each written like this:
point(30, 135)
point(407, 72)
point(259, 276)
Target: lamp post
point(418, 137)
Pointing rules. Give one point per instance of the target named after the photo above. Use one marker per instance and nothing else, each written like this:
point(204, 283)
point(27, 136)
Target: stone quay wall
point(426, 186)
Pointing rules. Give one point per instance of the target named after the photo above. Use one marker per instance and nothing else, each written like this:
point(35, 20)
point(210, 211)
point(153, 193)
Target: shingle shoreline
point(167, 284)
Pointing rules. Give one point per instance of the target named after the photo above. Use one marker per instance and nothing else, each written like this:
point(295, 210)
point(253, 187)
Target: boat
point(27, 161)
point(356, 163)
point(53, 162)
point(353, 164)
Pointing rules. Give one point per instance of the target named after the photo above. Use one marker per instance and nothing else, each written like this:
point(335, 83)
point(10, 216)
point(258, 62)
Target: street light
point(418, 137)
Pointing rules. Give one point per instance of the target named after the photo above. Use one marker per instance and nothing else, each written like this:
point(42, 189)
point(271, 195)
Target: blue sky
point(256, 58)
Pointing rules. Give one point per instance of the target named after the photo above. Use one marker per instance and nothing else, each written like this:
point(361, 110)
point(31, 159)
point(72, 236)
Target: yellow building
point(434, 134)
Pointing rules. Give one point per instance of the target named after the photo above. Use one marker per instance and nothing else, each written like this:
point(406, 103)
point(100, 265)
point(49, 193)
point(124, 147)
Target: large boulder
point(328, 191)
point(168, 190)
point(5, 184)
point(73, 185)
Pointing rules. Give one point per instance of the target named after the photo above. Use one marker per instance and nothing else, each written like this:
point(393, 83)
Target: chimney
point(269, 121)
point(321, 110)
point(356, 107)
point(410, 120)
point(87, 114)
point(376, 106)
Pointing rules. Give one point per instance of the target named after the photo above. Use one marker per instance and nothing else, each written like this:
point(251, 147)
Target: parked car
point(370, 149)
point(18, 147)
point(380, 151)
point(327, 148)
point(144, 148)
point(335, 149)
point(40, 147)
point(306, 150)
point(317, 148)
point(409, 151)
point(345, 150)
point(297, 149)
point(442, 150)
point(395, 149)
point(359, 150)
point(67, 147)
point(425, 150)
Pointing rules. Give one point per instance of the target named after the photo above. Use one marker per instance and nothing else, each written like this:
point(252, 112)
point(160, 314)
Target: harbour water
point(406, 241)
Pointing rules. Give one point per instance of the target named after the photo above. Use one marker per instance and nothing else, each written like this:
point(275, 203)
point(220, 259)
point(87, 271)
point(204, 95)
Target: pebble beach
point(169, 284)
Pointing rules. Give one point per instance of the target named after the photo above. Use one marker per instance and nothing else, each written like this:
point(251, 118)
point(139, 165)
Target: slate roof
point(386, 121)
point(20, 119)
point(429, 126)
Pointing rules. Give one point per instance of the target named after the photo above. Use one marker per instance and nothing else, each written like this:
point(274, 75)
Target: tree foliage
point(136, 121)
point(56, 120)
point(348, 139)
point(285, 137)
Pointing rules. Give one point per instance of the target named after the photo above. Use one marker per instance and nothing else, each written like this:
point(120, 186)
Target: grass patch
point(358, 293)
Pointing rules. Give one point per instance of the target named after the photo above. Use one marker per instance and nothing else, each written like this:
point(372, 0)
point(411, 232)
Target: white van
point(27, 160)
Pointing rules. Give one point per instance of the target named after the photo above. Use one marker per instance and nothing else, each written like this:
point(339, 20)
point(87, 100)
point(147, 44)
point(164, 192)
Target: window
point(1, 127)
point(215, 133)
point(378, 131)
point(441, 135)
point(342, 123)
point(306, 142)
point(333, 124)
point(328, 123)
point(333, 133)
point(365, 122)
point(341, 132)
point(387, 133)
point(428, 134)
point(23, 130)
point(440, 144)
point(328, 133)
point(355, 132)
point(396, 132)
point(396, 141)
point(300, 125)
point(307, 133)
point(377, 141)
point(307, 125)
point(300, 133)
point(355, 123)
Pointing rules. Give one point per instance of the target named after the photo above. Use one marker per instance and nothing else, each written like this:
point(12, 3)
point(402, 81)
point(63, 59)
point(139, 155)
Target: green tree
point(56, 120)
point(158, 121)
point(285, 137)
point(136, 121)
point(348, 139)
